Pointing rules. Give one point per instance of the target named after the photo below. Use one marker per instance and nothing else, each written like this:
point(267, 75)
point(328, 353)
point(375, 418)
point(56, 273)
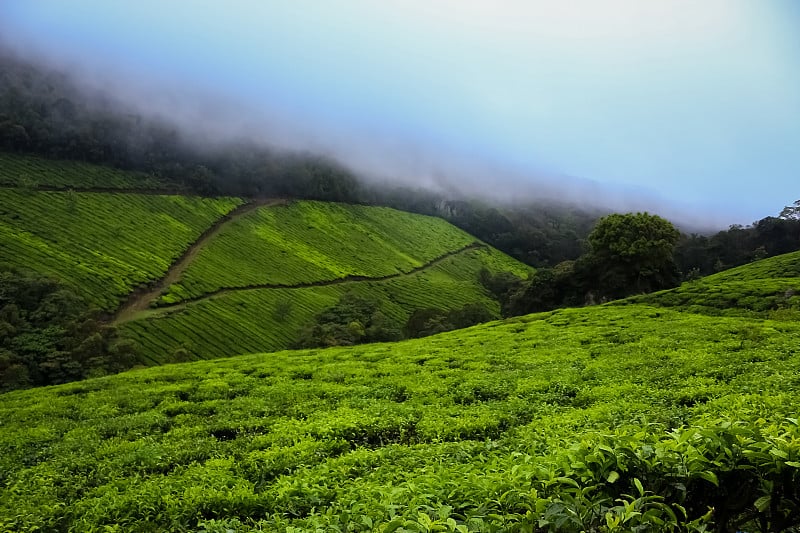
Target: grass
point(271, 319)
point(103, 244)
point(467, 426)
point(307, 242)
point(30, 172)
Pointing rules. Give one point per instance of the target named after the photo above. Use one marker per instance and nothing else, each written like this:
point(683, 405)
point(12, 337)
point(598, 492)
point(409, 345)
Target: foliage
point(308, 242)
point(631, 418)
point(770, 287)
point(431, 320)
point(791, 212)
point(49, 335)
point(738, 245)
point(45, 112)
point(27, 171)
point(102, 245)
point(353, 320)
point(248, 321)
point(633, 253)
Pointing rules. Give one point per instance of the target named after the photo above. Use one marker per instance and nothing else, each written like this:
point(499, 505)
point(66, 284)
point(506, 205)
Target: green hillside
point(769, 287)
point(31, 172)
point(103, 244)
point(603, 419)
point(271, 319)
point(306, 242)
point(187, 277)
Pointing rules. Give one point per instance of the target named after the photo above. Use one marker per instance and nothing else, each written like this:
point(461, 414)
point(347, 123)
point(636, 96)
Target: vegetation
point(307, 242)
point(30, 172)
point(633, 253)
point(770, 287)
point(260, 320)
point(44, 112)
point(353, 320)
point(700, 255)
point(603, 418)
point(630, 254)
point(101, 245)
point(48, 334)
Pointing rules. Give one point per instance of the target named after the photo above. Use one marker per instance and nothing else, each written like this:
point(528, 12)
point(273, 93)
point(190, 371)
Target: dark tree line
point(700, 255)
point(357, 320)
point(628, 254)
point(49, 335)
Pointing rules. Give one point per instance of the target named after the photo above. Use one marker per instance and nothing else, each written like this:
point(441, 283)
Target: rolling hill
point(560, 421)
point(675, 411)
point(103, 244)
point(213, 277)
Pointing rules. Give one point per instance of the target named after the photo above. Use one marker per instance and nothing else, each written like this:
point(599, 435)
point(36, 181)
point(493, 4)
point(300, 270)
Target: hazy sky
point(696, 103)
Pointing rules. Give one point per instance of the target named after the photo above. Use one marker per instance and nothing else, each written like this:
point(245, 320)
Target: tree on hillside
point(633, 253)
point(791, 212)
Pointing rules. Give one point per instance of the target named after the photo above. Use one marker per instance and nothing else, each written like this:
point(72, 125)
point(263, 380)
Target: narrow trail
point(139, 299)
point(166, 309)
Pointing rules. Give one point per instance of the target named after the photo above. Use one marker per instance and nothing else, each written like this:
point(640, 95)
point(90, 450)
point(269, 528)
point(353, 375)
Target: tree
point(791, 212)
point(634, 253)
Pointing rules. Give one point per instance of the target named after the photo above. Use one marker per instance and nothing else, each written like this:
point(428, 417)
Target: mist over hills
point(219, 146)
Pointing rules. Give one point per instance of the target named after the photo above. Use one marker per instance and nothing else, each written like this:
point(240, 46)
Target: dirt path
point(146, 311)
point(139, 299)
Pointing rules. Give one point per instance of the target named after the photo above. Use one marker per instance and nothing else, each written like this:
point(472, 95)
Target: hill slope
point(265, 276)
point(32, 172)
point(104, 244)
point(490, 428)
point(769, 287)
point(227, 276)
point(272, 319)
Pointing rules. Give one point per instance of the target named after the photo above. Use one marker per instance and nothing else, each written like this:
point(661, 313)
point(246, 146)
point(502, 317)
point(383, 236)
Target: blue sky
point(692, 104)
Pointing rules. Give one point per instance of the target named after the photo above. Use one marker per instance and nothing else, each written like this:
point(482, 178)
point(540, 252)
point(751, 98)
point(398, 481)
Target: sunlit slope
point(767, 286)
point(271, 319)
point(306, 242)
point(492, 427)
point(103, 244)
point(31, 172)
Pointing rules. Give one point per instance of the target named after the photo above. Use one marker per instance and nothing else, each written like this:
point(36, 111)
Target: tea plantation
point(104, 244)
point(632, 418)
point(30, 172)
point(307, 242)
point(271, 319)
point(770, 287)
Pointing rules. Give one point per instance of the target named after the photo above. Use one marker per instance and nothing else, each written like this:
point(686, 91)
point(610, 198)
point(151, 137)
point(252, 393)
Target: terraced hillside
point(770, 287)
point(31, 172)
point(104, 244)
point(242, 321)
point(308, 242)
point(264, 276)
point(128, 253)
point(598, 419)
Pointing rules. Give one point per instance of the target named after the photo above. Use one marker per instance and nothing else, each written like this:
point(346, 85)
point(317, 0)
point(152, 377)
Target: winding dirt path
point(165, 309)
point(139, 299)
